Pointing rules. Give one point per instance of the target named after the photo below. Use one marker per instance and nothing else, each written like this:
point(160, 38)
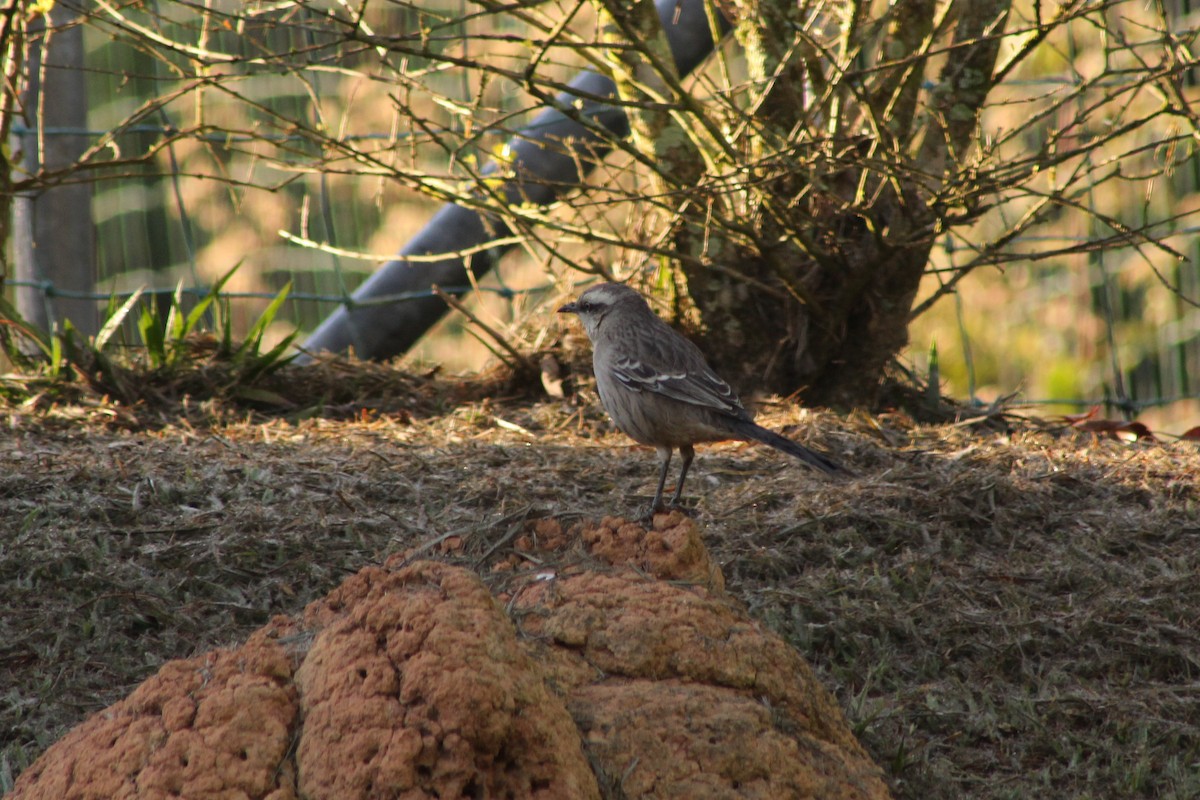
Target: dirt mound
point(410, 681)
point(677, 693)
point(671, 550)
point(219, 724)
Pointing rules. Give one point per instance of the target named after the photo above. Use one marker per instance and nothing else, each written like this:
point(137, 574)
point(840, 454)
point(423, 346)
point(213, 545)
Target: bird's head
point(594, 305)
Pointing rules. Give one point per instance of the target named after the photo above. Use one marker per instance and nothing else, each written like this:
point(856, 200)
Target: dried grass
point(1002, 614)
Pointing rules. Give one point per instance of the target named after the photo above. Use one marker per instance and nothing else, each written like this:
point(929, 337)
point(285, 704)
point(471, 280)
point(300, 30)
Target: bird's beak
point(569, 308)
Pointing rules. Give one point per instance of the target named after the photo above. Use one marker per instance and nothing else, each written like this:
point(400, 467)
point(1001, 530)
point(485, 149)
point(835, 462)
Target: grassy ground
point(1003, 614)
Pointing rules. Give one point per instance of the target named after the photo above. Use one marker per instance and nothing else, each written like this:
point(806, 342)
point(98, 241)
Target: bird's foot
point(666, 508)
point(676, 505)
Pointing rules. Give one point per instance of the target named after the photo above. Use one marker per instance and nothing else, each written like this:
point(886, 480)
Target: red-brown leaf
point(1075, 419)
point(1115, 428)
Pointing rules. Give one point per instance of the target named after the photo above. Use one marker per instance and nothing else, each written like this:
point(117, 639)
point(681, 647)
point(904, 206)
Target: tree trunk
point(821, 303)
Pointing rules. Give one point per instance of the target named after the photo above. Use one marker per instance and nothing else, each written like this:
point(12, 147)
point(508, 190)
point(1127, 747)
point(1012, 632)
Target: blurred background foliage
point(1085, 323)
point(230, 133)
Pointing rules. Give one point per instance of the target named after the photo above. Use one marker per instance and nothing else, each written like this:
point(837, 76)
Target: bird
point(660, 391)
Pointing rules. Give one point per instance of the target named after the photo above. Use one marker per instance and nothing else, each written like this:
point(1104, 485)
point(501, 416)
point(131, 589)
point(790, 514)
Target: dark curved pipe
point(551, 155)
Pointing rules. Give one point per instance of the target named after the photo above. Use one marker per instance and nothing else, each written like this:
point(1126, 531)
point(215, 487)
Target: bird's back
point(681, 400)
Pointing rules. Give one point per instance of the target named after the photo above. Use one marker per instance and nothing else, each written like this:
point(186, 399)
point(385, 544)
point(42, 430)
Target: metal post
point(54, 236)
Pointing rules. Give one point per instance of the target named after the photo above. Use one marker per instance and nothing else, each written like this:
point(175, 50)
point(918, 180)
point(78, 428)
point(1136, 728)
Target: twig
point(515, 521)
point(523, 364)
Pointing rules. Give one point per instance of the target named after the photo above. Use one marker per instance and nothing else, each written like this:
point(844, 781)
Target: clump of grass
point(143, 348)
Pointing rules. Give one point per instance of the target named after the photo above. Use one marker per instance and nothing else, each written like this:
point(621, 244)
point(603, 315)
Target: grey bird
point(659, 390)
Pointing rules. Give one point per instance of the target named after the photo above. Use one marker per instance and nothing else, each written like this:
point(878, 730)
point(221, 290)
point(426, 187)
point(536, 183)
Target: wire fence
point(164, 229)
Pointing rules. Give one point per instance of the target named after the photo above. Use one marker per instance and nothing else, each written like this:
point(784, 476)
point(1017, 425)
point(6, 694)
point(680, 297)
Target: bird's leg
point(686, 453)
point(665, 454)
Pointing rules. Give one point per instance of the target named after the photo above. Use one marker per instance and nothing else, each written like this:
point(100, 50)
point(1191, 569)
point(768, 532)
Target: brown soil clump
point(409, 681)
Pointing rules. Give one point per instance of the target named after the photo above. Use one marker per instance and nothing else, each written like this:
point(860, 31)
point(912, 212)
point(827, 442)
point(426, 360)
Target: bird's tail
point(758, 433)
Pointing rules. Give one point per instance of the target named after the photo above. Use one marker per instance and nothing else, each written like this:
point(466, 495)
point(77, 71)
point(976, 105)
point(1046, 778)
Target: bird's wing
point(697, 385)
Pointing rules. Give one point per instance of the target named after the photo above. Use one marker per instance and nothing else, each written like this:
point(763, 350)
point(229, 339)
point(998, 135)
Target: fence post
point(53, 234)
